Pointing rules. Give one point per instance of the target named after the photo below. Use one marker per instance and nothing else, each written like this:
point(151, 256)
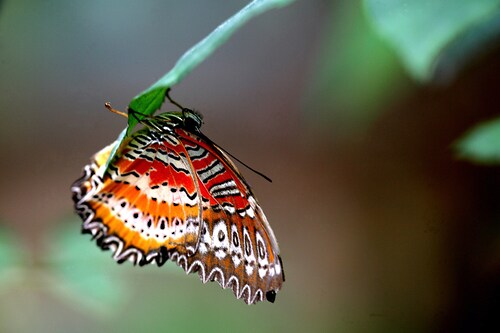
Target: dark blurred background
point(381, 227)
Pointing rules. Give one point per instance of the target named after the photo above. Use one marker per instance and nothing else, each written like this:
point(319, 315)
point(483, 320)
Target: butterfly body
point(172, 194)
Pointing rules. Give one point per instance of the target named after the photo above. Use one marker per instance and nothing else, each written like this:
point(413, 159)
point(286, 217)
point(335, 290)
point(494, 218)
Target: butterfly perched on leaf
point(170, 193)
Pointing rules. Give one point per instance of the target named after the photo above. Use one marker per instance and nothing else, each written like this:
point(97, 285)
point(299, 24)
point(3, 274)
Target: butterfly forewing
point(172, 193)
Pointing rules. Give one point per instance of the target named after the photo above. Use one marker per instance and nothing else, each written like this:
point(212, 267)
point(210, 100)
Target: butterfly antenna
point(248, 167)
point(121, 113)
point(131, 112)
point(237, 159)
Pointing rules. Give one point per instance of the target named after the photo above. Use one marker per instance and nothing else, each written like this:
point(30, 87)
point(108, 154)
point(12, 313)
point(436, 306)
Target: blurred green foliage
point(481, 144)
point(82, 274)
point(434, 36)
point(12, 259)
point(152, 98)
point(358, 67)
point(73, 275)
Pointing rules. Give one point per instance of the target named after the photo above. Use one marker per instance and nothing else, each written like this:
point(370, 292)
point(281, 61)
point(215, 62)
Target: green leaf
point(146, 104)
point(151, 99)
point(481, 144)
point(434, 36)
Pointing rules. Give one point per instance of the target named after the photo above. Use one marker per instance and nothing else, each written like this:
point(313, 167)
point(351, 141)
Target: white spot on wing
point(220, 240)
point(278, 268)
point(248, 252)
point(206, 241)
point(236, 250)
point(262, 256)
point(250, 212)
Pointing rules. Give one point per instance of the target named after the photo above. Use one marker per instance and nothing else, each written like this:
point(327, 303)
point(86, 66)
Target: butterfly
point(170, 193)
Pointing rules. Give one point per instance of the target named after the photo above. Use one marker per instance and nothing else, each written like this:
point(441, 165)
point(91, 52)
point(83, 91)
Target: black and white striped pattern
point(207, 174)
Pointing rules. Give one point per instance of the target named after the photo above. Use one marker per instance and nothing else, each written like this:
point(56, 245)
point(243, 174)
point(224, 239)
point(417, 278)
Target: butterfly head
point(192, 119)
